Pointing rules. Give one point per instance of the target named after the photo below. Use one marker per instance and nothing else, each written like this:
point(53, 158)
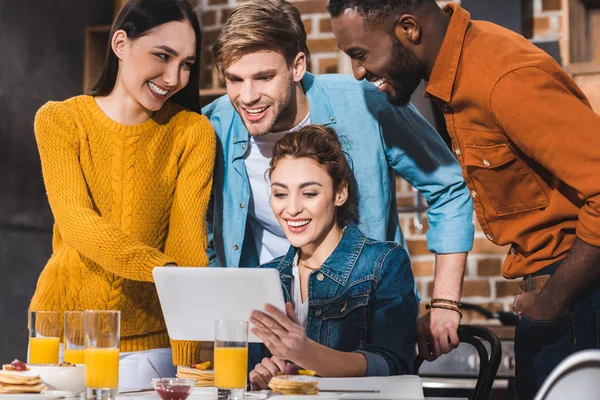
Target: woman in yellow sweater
point(128, 173)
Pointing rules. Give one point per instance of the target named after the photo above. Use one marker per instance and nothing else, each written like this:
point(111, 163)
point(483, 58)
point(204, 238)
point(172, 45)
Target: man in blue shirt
point(262, 54)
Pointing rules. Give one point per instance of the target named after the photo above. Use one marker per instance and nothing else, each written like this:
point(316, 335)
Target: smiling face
point(261, 87)
point(378, 56)
point(305, 203)
point(155, 66)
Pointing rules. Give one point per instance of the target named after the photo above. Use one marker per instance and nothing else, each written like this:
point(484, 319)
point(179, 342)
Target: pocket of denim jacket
point(507, 182)
point(343, 307)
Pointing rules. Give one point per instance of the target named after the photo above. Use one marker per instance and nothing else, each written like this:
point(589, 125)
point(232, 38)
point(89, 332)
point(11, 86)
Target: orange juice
point(43, 350)
point(75, 356)
point(101, 368)
point(231, 367)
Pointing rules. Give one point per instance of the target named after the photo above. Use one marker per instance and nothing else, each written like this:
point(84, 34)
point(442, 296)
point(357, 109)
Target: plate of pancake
point(204, 378)
point(24, 385)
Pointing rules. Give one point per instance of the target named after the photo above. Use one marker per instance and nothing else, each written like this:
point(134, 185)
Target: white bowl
point(68, 379)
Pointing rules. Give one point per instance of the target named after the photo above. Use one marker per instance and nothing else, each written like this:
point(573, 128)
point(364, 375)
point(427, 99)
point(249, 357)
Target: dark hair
point(322, 145)
point(375, 10)
point(137, 18)
point(259, 25)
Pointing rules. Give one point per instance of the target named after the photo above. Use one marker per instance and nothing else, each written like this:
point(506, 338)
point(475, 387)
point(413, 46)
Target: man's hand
point(536, 306)
point(437, 333)
point(283, 334)
point(262, 373)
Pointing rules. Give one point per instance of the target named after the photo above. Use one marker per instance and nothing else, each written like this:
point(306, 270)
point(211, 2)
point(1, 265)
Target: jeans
point(541, 345)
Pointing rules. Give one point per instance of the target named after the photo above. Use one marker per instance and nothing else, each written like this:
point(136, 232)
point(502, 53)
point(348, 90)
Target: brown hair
point(322, 145)
point(261, 25)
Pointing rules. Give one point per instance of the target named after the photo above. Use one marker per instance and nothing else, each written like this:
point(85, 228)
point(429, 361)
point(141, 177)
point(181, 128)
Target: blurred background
point(52, 50)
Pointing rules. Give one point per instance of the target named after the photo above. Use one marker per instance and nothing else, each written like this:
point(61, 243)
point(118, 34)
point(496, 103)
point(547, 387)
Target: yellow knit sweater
point(125, 199)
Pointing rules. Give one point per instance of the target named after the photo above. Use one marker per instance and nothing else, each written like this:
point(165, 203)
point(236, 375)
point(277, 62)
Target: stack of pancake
point(20, 382)
point(203, 378)
point(294, 385)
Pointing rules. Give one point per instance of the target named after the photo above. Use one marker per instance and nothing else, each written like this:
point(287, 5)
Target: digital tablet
point(192, 299)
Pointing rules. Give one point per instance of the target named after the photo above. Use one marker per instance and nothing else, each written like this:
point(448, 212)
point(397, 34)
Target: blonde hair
point(261, 25)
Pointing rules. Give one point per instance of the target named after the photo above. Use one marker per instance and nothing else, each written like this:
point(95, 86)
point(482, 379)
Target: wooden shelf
point(215, 92)
point(96, 42)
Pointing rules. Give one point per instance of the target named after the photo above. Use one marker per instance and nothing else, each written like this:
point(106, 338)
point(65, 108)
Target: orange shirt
point(527, 140)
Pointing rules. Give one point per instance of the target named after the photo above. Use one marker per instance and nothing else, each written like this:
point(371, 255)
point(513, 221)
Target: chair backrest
point(488, 365)
point(576, 377)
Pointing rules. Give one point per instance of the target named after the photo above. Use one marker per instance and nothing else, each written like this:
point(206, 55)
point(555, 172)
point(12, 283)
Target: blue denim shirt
point(381, 140)
point(361, 299)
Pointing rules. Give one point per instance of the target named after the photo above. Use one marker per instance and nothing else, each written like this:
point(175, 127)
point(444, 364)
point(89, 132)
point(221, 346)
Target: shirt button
point(235, 247)
point(446, 108)
point(242, 205)
point(489, 236)
point(512, 251)
point(234, 138)
point(244, 146)
point(486, 162)
point(457, 152)
point(320, 277)
point(331, 118)
point(318, 313)
point(473, 194)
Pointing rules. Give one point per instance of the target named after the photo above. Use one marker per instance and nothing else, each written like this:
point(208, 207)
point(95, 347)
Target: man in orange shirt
point(529, 146)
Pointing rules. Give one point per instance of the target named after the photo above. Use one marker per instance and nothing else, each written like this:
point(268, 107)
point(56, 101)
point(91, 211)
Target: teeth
point(297, 224)
point(156, 89)
point(379, 82)
point(255, 111)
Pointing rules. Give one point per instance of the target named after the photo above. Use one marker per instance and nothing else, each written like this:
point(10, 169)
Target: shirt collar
point(443, 75)
point(321, 112)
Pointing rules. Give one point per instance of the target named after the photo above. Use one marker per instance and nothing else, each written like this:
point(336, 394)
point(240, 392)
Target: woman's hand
point(263, 372)
point(283, 334)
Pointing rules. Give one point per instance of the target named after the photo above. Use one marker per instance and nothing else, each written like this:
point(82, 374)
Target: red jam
point(175, 392)
point(19, 365)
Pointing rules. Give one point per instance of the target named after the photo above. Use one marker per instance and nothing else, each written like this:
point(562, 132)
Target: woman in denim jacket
point(351, 307)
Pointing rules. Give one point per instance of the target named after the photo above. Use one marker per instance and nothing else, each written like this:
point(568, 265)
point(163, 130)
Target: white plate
point(46, 395)
point(28, 374)
point(204, 391)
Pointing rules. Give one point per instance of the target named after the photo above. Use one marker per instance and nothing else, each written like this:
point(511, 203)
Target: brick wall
point(483, 283)
point(547, 20)
point(542, 20)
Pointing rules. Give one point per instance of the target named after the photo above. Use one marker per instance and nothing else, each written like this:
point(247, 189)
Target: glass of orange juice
point(102, 337)
point(74, 345)
point(44, 337)
point(231, 359)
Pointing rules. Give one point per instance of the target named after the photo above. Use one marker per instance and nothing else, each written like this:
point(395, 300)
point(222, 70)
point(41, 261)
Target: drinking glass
point(74, 344)
point(231, 359)
point(102, 336)
point(44, 337)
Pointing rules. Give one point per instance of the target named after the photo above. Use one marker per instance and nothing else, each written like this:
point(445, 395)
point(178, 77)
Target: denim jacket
point(381, 140)
point(361, 300)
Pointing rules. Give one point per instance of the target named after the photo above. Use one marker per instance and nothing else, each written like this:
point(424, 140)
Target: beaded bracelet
point(446, 301)
point(444, 307)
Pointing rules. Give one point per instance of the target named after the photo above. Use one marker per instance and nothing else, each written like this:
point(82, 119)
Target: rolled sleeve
point(451, 237)
point(376, 364)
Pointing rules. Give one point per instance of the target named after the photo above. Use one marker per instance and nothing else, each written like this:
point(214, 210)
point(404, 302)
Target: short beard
point(281, 109)
point(406, 73)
